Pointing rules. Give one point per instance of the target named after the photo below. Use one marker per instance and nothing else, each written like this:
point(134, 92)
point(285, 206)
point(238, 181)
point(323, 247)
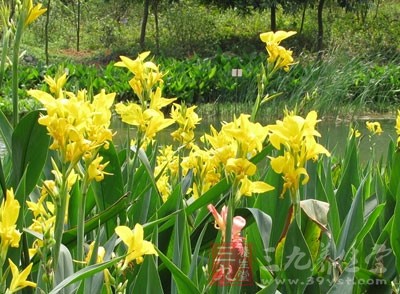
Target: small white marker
point(236, 72)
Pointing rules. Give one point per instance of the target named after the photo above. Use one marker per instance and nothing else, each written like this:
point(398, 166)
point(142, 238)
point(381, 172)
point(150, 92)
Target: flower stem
point(61, 209)
point(81, 221)
point(295, 197)
point(6, 39)
point(15, 62)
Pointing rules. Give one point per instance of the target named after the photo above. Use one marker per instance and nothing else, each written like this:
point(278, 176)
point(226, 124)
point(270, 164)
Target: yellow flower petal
point(19, 278)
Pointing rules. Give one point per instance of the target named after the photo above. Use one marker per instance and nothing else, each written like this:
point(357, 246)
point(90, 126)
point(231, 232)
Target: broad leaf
point(297, 261)
point(29, 151)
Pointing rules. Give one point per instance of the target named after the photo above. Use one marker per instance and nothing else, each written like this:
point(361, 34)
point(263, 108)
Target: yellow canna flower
point(101, 252)
point(240, 167)
point(166, 170)
point(136, 66)
point(131, 113)
point(101, 108)
point(354, 132)
point(96, 169)
point(19, 281)
point(34, 12)
point(187, 119)
point(155, 122)
point(249, 136)
point(374, 127)
point(283, 59)
point(56, 85)
point(276, 37)
point(146, 75)
point(296, 135)
point(77, 125)
point(9, 212)
point(157, 102)
point(164, 187)
point(279, 57)
point(248, 187)
point(292, 174)
point(205, 167)
point(223, 146)
point(232, 148)
point(137, 247)
point(292, 132)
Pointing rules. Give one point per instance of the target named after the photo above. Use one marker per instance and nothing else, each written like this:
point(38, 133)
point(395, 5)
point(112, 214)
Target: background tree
point(146, 8)
point(247, 6)
point(46, 32)
point(151, 6)
point(359, 7)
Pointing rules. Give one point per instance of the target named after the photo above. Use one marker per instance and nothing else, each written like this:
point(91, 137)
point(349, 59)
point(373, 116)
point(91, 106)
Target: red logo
point(231, 264)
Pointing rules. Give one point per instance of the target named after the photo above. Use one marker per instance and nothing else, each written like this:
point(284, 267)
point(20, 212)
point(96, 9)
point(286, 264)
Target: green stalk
point(61, 209)
point(3, 256)
point(15, 62)
point(6, 37)
point(132, 163)
point(44, 281)
point(295, 197)
point(81, 221)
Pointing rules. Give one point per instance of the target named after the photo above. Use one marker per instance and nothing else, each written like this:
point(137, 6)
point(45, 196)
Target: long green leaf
point(395, 231)
point(215, 192)
point(181, 254)
point(147, 280)
point(369, 223)
point(183, 283)
point(3, 184)
point(352, 224)
point(6, 131)
point(350, 177)
point(85, 273)
point(326, 187)
point(69, 236)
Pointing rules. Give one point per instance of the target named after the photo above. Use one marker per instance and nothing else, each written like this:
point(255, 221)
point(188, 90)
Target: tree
point(153, 6)
point(320, 36)
point(46, 32)
point(146, 8)
point(359, 7)
point(246, 6)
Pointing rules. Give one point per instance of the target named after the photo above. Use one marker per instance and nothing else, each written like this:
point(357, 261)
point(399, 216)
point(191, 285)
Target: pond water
point(333, 135)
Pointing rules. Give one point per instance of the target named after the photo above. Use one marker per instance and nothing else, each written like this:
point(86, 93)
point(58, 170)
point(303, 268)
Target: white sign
point(236, 72)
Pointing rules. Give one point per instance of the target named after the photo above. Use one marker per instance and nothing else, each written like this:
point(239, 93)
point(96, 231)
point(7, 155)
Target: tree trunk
point(320, 37)
point(303, 16)
point(146, 6)
point(78, 24)
point(46, 32)
point(155, 11)
point(273, 17)
point(377, 8)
